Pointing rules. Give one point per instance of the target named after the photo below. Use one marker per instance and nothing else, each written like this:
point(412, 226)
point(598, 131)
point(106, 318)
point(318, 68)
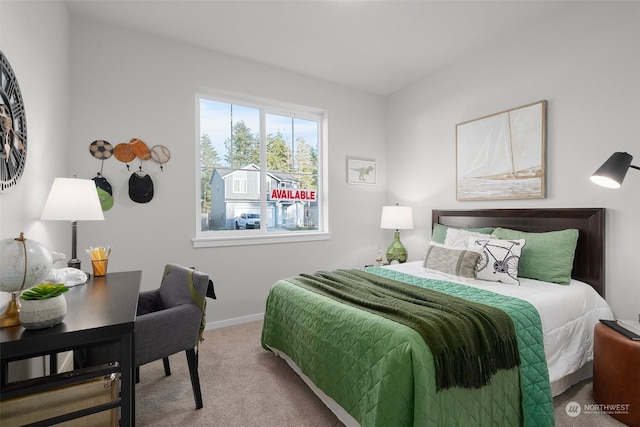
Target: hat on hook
point(140, 149)
point(140, 187)
point(101, 149)
point(105, 193)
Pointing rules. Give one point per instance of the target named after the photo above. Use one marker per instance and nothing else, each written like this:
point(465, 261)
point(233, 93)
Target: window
point(260, 171)
point(239, 186)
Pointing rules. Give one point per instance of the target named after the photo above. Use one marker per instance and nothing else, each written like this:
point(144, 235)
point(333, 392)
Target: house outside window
point(261, 171)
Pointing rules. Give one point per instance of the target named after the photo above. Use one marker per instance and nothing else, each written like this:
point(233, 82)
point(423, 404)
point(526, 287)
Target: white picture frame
point(361, 171)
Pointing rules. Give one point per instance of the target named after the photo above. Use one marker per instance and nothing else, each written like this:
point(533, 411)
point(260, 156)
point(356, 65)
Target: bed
point(372, 370)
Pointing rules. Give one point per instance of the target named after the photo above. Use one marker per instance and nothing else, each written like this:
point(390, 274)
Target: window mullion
point(263, 170)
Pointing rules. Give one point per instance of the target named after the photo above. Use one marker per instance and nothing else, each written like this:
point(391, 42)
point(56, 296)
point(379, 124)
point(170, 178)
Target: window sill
point(263, 239)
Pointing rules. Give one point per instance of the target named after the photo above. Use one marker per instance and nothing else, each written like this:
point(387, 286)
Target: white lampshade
point(72, 199)
point(397, 217)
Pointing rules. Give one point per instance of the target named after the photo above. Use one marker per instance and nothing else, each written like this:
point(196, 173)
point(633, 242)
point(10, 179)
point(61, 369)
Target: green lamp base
point(396, 251)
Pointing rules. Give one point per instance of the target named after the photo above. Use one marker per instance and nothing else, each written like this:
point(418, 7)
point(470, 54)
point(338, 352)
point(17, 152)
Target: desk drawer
point(39, 406)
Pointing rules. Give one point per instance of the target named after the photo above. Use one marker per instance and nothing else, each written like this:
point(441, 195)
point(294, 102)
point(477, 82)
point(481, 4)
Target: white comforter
point(569, 314)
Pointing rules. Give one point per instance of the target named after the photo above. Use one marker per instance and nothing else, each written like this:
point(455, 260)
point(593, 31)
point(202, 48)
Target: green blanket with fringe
point(537, 400)
point(470, 341)
point(382, 373)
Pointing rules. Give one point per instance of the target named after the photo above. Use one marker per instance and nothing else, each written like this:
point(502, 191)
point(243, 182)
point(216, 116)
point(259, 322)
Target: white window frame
point(215, 238)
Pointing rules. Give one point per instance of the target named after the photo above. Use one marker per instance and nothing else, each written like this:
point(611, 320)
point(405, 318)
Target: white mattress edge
point(563, 384)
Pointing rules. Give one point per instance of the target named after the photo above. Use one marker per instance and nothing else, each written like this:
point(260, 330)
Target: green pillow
point(546, 256)
point(440, 231)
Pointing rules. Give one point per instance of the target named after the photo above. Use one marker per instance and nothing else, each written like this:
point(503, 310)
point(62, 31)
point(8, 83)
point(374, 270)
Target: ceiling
point(376, 46)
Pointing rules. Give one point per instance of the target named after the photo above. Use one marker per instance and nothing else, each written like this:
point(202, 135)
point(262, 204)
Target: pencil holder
point(99, 267)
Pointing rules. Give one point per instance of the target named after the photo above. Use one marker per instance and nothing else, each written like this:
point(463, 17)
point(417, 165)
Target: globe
point(14, 254)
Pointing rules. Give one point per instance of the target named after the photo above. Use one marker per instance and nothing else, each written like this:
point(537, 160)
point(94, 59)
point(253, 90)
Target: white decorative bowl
point(39, 314)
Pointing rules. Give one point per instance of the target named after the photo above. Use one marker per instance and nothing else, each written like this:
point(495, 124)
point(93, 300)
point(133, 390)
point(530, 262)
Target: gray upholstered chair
point(170, 320)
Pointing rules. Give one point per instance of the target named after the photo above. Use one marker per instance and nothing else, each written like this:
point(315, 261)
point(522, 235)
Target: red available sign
point(289, 194)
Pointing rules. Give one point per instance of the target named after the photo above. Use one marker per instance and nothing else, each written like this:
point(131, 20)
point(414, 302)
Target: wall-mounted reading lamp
point(612, 172)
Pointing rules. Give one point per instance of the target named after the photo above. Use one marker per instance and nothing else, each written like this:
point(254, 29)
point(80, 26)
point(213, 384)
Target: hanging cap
point(160, 154)
point(140, 149)
point(106, 199)
point(105, 193)
point(101, 149)
point(140, 187)
point(101, 182)
point(124, 153)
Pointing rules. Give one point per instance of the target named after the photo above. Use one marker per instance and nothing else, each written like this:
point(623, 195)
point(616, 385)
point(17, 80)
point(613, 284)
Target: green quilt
point(382, 373)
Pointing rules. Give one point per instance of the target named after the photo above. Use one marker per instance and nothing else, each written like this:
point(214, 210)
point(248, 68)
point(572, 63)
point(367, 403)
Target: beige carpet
point(244, 385)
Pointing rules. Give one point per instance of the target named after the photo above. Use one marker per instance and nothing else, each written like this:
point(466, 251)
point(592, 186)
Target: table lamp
point(397, 218)
point(612, 172)
point(72, 199)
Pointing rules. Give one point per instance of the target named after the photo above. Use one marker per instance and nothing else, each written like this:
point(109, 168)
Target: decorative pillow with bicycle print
point(500, 259)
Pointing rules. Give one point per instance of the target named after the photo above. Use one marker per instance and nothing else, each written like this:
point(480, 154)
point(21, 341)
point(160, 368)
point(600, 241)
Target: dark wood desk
point(101, 311)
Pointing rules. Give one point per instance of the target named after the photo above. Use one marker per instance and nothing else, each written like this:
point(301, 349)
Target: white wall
point(585, 61)
point(126, 85)
point(35, 39)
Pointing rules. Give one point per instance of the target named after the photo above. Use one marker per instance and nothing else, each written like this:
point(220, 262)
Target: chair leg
point(167, 368)
point(137, 374)
point(192, 361)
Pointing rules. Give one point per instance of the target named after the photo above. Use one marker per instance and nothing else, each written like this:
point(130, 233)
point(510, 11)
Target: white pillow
point(460, 238)
point(500, 259)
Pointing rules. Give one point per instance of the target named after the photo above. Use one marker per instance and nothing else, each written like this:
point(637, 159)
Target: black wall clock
point(13, 128)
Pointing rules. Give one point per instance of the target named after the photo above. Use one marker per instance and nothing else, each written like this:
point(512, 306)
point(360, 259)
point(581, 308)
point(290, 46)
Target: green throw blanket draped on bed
point(470, 341)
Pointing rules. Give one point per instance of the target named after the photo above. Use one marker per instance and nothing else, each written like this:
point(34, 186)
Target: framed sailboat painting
point(502, 156)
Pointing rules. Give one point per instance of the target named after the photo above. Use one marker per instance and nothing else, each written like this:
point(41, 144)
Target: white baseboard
point(235, 321)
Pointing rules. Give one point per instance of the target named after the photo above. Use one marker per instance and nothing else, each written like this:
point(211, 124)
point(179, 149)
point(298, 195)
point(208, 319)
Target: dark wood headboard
point(588, 264)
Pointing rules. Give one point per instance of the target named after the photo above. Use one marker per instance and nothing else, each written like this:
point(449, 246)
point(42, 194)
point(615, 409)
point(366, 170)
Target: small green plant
point(44, 291)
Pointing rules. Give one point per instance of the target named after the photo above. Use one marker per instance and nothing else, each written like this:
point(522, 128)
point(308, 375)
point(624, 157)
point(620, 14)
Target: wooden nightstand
point(616, 374)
